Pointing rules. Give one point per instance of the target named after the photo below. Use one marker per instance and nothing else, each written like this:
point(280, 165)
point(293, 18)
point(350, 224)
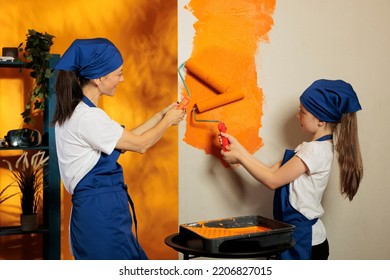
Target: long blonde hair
point(349, 156)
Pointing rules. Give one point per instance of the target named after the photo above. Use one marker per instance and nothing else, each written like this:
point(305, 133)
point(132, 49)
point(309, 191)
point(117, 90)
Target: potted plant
point(28, 176)
point(37, 54)
point(4, 196)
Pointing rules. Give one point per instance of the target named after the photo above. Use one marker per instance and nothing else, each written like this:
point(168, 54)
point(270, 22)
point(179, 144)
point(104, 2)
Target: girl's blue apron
point(285, 212)
point(101, 222)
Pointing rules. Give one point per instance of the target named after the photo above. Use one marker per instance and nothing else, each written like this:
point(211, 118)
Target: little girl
point(327, 108)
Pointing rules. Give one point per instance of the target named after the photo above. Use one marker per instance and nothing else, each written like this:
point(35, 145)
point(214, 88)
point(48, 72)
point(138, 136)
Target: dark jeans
point(320, 251)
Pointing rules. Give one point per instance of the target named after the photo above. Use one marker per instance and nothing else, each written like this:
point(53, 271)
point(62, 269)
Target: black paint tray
point(276, 233)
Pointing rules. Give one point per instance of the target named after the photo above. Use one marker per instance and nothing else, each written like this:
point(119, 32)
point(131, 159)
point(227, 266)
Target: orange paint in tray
point(219, 232)
point(226, 41)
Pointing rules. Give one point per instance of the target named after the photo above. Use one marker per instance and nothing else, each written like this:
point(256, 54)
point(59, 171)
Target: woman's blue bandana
point(91, 58)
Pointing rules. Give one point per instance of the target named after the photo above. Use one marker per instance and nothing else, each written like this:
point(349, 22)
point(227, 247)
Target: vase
point(29, 222)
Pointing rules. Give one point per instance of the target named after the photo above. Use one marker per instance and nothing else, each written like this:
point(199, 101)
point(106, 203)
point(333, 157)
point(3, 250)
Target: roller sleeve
point(217, 81)
point(220, 100)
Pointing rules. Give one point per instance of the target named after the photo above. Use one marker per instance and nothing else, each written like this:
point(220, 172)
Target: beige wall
point(310, 39)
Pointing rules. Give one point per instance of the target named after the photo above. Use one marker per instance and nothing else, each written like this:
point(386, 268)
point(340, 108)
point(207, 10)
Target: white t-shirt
point(80, 141)
point(307, 190)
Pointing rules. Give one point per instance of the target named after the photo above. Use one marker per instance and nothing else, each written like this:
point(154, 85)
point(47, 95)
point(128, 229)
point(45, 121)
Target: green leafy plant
point(37, 54)
point(28, 176)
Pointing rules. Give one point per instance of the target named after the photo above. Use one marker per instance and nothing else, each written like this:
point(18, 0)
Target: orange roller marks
point(226, 41)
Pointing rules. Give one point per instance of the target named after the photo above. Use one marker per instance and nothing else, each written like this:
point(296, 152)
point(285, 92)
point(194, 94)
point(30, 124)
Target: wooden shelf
point(25, 148)
point(9, 64)
point(16, 230)
point(51, 192)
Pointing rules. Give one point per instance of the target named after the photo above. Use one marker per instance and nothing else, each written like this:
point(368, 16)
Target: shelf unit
point(51, 227)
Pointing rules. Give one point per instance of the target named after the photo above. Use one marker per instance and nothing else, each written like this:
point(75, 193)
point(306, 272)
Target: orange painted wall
point(146, 34)
point(226, 41)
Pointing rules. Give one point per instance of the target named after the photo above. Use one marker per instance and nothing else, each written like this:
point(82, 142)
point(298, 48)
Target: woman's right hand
point(166, 109)
point(174, 115)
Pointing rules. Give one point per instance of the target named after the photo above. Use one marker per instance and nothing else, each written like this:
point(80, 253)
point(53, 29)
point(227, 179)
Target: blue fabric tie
point(91, 58)
point(328, 100)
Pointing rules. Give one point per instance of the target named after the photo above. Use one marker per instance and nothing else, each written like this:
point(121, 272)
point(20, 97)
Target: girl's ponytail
point(349, 156)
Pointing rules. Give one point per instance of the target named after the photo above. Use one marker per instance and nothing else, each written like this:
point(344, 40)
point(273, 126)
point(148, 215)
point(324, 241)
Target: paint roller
point(218, 83)
point(220, 100)
point(184, 102)
point(217, 101)
point(221, 128)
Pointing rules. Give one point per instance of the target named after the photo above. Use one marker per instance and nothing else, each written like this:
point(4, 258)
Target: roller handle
point(183, 103)
point(225, 141)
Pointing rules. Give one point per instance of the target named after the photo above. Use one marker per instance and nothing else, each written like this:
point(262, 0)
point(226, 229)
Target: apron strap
point(132, 210)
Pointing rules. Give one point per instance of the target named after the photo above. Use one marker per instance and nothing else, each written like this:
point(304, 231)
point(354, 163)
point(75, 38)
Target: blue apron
point(285, 212)
point(101, 222)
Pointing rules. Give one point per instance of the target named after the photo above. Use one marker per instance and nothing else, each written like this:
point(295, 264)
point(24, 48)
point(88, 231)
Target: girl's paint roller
point(217, 101)
point(221, 128)
point(220, 100)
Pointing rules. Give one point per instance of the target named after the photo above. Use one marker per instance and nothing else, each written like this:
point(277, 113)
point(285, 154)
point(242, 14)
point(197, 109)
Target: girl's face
point(308, 122)
point(109, 82)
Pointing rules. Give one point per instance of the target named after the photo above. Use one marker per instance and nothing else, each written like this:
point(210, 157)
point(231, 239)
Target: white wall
point(311, 39)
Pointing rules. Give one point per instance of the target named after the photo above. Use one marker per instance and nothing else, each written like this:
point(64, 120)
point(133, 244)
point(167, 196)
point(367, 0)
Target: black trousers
point(320, 251)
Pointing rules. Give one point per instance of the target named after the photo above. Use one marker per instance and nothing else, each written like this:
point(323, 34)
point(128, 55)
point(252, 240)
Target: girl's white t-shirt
point(81, 140)
point(307, 190)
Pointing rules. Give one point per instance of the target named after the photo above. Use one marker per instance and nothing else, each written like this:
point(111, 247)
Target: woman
point(327, 107)
point(89, 144)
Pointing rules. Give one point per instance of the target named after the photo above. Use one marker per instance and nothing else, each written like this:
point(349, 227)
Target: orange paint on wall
point(227, 37)
point(146, 34)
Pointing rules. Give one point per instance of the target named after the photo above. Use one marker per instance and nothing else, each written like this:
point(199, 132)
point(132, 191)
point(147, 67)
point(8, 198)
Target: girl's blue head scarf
point(91, 58)
point(328, 100)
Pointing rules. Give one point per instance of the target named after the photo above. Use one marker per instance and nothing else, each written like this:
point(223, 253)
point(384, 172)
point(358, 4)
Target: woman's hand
point(173, 115)
point(166, 109)
point(141, 138)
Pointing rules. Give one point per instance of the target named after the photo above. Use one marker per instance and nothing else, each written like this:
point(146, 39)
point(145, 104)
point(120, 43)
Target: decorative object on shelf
point(11, 53)
point(37, 53)
point(28, 176)
point(7, 58)
point(24, 137)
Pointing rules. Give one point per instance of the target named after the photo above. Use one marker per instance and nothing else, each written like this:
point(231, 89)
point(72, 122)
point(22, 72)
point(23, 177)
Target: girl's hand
point(234, 151)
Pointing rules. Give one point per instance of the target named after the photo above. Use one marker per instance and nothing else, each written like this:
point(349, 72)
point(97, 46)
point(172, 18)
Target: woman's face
point(308, 121)
point(109, 82)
